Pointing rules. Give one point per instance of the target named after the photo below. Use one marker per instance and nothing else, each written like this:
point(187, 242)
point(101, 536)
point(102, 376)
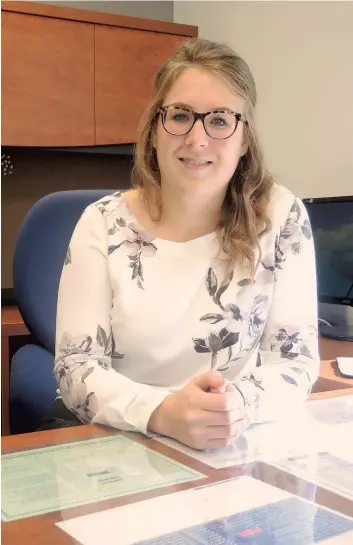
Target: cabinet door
point(47, 81)
point(126, 61)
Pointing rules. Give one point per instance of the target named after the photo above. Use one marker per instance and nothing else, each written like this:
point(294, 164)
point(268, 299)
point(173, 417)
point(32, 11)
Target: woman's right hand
point(204, 415)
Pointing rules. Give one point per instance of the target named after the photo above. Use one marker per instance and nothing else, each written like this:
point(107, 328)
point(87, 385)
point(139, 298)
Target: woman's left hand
point(228, 387)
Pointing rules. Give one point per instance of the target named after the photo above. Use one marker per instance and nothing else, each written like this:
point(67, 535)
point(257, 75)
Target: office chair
point(39, 256)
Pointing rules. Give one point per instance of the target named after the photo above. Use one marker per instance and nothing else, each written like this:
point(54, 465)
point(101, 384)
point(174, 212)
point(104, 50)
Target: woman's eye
point(180, 117)
point(219, 121)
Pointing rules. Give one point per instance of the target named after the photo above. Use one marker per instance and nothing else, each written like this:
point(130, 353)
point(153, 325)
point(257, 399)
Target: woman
point(187, 306)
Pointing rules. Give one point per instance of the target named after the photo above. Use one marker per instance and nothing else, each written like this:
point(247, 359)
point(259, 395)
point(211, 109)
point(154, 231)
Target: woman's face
point(195, 162)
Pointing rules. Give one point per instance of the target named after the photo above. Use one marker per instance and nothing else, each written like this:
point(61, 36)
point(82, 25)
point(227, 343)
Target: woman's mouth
point(195, 163)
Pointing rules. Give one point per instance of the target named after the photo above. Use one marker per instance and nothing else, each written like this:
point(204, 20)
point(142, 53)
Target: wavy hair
point(244, 212)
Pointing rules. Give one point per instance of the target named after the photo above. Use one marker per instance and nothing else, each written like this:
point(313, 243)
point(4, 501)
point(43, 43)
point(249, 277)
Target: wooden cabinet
point(72, 77)
point(47, 81)
point(126, 61)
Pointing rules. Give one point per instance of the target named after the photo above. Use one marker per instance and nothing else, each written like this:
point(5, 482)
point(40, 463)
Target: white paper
point(331, 469)
point(292, 435)
point(330, 465)
point(226, 513)
point(332, 411)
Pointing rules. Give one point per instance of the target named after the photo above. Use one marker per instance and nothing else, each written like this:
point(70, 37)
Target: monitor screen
point(332, 224)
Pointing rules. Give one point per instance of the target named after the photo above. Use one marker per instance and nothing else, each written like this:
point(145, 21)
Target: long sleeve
point(86, 355)
point(288, 360)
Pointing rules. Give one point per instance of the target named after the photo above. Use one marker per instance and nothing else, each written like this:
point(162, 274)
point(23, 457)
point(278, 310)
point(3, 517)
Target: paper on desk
point(330, 465)
point(234, 512)
point(263, 441)
point(332, 411)
point(54, 478)
point(326, 469)
point(331, 468)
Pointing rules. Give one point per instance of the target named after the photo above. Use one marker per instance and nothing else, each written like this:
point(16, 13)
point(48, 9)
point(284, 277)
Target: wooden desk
point(330, 349)
point(330, 379)
point(40, 530)
point(12, 325)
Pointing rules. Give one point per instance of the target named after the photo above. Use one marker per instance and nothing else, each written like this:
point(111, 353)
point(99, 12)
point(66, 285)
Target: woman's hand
point(208, 413)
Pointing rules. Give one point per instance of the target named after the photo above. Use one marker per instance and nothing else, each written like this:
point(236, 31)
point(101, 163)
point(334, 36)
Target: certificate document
point(49, 479)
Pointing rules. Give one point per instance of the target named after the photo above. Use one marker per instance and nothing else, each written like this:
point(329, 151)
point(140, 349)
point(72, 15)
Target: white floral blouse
point(139, 316)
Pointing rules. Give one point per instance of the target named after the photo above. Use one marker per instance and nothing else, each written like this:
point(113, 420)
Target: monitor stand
point(339, 332)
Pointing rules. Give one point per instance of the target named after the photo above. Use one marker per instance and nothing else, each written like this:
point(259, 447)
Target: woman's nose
point(197, 137)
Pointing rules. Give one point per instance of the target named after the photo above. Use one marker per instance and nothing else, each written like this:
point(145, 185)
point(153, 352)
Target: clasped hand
point(207, 414)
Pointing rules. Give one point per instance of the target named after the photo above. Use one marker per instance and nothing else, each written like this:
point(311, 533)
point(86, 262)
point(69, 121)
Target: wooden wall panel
point(126, 61)
point(47, 81)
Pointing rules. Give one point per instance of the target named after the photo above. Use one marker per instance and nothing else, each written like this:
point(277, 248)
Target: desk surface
point(41, 530)
point(12, 322)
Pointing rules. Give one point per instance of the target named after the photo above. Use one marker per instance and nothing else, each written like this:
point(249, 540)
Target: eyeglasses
point(218, 124)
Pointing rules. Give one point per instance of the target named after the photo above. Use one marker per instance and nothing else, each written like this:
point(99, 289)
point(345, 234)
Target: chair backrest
point(39, 256)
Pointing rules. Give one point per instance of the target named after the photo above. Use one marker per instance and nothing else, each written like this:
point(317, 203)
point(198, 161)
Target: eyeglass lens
point(218, 125)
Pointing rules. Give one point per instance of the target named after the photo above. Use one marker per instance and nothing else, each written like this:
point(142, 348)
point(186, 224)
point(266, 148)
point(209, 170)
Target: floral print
point(291, 344)
point(72, 378)
point(258, 316)
point(216, 342)
point(181, 314)
point(108, 206)
point(72, 373)
point(251, 324)
point(295, 231)
point(68, 257)
point(138, 243)
point(279, 254)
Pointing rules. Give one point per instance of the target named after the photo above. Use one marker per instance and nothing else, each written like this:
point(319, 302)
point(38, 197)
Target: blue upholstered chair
point(38, 260)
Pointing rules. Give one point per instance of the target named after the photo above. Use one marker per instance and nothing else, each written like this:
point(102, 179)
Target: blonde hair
point(244, 212)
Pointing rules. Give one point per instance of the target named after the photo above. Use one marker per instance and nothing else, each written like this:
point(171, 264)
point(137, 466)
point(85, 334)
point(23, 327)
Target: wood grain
point(330, 378)
point(89, 16)
point(47, 81)
point(74, 77)
point(331, 349)
point(126, 61)
point(5, 385)
point(11, 325)
point(12, 322)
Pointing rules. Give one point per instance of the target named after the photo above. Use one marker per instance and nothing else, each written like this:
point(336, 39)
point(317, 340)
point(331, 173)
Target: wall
point(162, 11)
point(301, 54)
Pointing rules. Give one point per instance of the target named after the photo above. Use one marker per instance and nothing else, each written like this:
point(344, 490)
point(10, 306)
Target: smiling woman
point(187, 306)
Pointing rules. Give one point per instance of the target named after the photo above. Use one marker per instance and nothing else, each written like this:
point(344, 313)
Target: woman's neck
point(186, 217)
point(182, 219)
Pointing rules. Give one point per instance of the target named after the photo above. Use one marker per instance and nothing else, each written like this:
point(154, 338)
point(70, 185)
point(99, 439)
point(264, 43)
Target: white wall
point(301, 55)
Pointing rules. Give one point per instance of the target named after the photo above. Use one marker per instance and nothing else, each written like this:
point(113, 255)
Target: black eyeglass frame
point(238, 117)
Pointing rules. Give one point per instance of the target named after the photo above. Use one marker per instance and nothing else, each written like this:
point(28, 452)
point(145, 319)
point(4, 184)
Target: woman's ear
point(245, 144)
point(244, 149)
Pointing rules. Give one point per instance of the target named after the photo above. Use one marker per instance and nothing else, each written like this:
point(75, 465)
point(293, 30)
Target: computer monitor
point(332, 225)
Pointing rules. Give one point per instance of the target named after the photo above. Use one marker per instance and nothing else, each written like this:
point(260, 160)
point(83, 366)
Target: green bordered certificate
point(39, 481)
